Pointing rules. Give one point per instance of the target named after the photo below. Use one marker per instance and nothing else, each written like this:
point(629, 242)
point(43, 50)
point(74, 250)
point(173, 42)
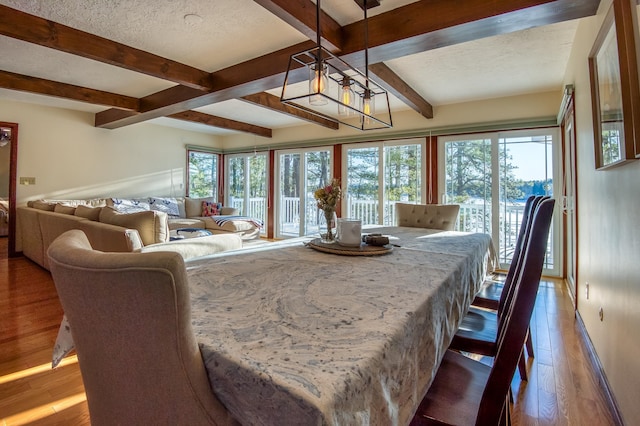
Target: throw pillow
point(125, 205)
point(64, 209)
point(167, 205)
point(211, 209)
point(88, 212)
point(44, 205)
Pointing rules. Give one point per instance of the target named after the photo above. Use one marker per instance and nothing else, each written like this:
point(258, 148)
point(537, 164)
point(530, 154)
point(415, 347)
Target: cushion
point(193, 206)
point(64, 209)
point(126, 205)
point(44, 205)
point(151, 225)
point(91, 213)
point(211, 208)
point(167, 205)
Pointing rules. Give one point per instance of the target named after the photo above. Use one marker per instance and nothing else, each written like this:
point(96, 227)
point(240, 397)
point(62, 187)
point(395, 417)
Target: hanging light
point(318, 83)
point(347, 98)
point(333, 86)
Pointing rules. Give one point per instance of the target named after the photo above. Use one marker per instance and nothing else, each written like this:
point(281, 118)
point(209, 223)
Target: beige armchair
point(130, 318)
point(432, 216)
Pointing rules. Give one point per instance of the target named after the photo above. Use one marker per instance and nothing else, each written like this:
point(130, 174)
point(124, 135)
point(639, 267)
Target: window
point(379, 175)
point(247, 184)
point(300, 173)
point(203, 174)
point(491, 176)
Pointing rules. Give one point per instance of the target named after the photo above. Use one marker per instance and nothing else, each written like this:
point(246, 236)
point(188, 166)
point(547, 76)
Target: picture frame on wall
point(611, 92)
point(631, 8)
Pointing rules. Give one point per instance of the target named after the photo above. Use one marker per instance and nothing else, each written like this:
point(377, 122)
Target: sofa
point(108, 229)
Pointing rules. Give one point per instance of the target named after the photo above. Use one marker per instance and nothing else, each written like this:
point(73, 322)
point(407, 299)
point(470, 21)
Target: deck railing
point(472, 218)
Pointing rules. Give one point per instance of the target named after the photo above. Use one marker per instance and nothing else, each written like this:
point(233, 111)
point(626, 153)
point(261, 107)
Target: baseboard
point(597, 367)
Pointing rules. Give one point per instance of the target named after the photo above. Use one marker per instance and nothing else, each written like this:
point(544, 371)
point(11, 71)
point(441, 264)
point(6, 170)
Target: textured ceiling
point(227, 32)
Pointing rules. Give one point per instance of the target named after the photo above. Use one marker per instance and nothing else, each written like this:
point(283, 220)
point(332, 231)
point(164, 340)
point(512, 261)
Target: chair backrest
point(130, 319)
point(518, 315)
point(432, 216)
point(516, 260)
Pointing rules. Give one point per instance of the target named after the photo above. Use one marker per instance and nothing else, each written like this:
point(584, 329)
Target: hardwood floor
point(562, 389)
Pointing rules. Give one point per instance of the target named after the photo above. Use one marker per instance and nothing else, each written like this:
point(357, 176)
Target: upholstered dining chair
point(468, 392)
point(432, 216)
point(479, 330)
point(130, 320)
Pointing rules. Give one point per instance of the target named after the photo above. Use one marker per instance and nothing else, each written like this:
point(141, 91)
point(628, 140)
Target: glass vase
point(327, 226)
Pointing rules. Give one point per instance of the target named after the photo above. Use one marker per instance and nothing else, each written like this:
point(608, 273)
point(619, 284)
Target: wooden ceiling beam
point(301, 15)
point(431, 24)
point(414, 28)
point(401, 90)
point(272, 102)
point(33, 29)
point(40, 86)
point(221, 122)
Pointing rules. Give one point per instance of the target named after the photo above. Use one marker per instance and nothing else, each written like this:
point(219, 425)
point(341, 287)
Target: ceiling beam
point(401, 90)
point(301, 15)
point(272, 102)
point(430, 24)
point(221, 122)
point(33, 29)
point(40, 86)
point(414, 28)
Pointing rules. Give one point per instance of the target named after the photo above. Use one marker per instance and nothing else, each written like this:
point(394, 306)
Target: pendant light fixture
point(335, 90)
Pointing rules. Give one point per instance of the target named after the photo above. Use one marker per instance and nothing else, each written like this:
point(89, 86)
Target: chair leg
point(522, 367)
point(529, 343)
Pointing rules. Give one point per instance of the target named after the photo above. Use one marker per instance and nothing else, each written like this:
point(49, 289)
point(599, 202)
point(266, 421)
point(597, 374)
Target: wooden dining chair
point(481, 325)
point(468, 392)
point(479, 329)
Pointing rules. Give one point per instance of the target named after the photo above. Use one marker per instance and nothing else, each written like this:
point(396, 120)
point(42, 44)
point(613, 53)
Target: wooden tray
point(335, 248)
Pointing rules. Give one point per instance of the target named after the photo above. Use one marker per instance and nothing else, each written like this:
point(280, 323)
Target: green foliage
point(203, 171)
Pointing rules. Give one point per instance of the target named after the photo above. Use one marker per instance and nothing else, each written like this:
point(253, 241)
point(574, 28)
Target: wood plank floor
point(562, 387)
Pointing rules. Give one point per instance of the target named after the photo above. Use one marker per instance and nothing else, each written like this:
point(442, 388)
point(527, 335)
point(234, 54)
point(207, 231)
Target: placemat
point(335, 248)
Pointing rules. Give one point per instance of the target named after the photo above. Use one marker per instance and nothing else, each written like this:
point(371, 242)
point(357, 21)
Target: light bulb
point(347, 97)
point(368, 106)
point(318, 83)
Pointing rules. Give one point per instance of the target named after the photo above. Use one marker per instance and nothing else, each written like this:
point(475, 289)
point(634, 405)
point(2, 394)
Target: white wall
point(515, 108)
point(609, 241)
point(70, 158)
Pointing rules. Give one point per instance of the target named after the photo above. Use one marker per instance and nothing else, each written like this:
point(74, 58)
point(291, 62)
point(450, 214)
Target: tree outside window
point(203, 174)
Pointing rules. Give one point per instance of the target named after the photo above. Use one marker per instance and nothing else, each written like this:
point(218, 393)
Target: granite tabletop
point(294, 336)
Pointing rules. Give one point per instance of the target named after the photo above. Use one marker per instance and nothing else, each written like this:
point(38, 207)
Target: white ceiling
point(227, 32)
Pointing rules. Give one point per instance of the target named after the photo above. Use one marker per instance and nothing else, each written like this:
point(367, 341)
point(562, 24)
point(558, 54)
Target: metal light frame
point(337, 71)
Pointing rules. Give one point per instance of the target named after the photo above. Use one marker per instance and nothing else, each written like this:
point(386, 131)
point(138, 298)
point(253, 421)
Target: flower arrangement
point(328, 196)
point(327, 199)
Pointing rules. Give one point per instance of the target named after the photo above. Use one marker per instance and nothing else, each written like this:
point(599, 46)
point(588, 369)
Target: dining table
point(291, 335)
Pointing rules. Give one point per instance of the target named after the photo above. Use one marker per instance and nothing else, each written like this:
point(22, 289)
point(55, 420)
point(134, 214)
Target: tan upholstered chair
point(432, 216)
point(130, 318)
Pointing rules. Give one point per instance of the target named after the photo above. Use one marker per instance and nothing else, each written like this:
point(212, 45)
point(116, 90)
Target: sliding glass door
point(247, 185)
point(491, 176)
point(300, 173)
point(379, 175)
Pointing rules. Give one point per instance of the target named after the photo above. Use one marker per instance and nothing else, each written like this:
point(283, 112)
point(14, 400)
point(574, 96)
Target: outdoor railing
point(472, 218)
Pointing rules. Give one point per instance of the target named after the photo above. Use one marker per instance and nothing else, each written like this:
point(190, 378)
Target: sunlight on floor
point(45, 410)
point(43, 368)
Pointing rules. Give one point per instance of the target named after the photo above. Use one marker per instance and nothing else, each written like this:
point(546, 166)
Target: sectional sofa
point(126, 225)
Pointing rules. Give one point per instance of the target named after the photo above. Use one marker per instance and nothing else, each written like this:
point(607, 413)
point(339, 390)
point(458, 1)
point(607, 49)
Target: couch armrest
point(197, 247)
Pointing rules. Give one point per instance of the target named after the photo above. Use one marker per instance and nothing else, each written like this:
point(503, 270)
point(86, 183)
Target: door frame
point(13, 167)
